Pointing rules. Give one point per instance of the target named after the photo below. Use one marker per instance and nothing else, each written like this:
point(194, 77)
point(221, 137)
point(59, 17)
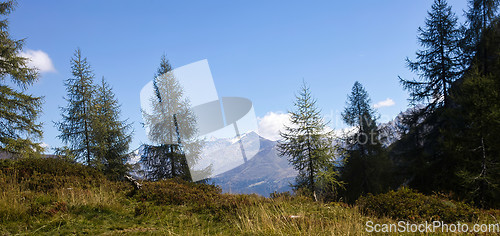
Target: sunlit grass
point(79, 205)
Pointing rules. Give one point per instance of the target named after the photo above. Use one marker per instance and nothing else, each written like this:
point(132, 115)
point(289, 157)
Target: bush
point(407, 204)
point(45, 174)
point(201, 197)
point(281, 195)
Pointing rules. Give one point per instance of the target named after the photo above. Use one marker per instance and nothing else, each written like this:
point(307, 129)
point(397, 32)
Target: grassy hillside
point(51, 196)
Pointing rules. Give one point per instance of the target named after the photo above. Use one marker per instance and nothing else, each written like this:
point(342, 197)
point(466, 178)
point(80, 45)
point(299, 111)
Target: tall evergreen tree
point(75, 126)
point(307, 143)
point(109, 137)
point(439, 63)
point(367, 167)
point(473, 137)
point(429, 167)
point(19, 111)
point(171, 125)
point(480, 15)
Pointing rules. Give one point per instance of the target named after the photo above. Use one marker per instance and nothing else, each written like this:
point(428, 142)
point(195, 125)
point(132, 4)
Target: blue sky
point(260, 50)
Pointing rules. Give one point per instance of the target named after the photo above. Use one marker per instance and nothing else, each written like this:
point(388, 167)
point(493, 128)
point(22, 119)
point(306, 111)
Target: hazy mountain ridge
point(263, 174)
point(267, 172)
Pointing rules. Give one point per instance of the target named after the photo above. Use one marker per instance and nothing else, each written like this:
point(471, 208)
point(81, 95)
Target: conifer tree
point(428, 166)
point(76, 126)
point(439, 63)
point(171, 127)
point(109, 137)
point(480, 15)
point(308, 144)
point(19, 110)
point(367, 167)
point(473, 137)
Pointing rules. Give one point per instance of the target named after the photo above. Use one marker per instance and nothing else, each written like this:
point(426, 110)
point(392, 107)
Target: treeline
point(449, 140)
point(90, 128)
point(90, 125)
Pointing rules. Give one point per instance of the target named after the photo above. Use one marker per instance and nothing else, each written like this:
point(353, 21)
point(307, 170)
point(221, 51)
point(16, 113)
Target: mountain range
point(264, 173)
point(267, 172)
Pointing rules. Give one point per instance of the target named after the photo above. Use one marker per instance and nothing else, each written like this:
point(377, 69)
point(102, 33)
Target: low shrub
point(201, 197)
point(45, 174)
point(281, 195)
point(407, 204)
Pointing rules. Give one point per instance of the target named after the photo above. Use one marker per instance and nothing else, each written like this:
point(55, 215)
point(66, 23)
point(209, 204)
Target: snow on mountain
point(226, 153)
point(393, 130)
point(263, 174)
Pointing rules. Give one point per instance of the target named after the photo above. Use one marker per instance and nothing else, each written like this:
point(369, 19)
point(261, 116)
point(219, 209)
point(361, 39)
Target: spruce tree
point(171, 127)
point(367, 167)
point(439, 63)
point(76, 126)
point(19, 110)
point(308, 144)
point(109, 137)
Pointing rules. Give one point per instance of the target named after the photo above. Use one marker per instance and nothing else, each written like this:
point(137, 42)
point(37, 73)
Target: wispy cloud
point(39, 59)
point(386, 103)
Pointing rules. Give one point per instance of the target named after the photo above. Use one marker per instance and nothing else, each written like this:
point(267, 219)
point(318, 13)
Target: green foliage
point(358, 111)
point(473, 137)
point(407, 204)
point(75, 126)
point(453, 148)
point(47, 174)
point(366, 167)
point(42, 192)
point(200, 197)
point(109, 137)
point(90, 123)
point(423, 162)
point(329, 183)
point(480, 15)
point(88, 203)
point(439, 63)
point(171, 128)
point(19, 111)
point(164, 162)
point(307, 144)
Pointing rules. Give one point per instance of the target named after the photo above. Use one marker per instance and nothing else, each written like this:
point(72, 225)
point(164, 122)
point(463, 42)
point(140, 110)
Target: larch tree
point(307, 144)
point(110, 136)
point(19, 111)
point(76, 124)
point(171, 127)
point(439, 63)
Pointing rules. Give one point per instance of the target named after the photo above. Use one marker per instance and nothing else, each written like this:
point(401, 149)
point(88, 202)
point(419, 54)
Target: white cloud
point(271, 124)
point(44, 145)
point(386, 103)
point(39, 59)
